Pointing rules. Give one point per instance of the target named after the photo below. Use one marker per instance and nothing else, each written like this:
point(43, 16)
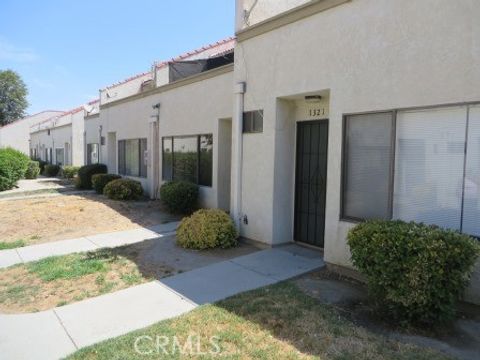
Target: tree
point(13, 97)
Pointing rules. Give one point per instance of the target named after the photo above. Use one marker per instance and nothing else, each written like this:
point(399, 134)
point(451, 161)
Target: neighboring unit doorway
point(311, 182)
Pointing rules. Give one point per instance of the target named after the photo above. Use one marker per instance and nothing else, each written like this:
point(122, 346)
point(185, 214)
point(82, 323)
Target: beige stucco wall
point(370, 55)
point(17, 134)
point(67, 128)
point(192, 109)
point(251, 12)
point(124, 89)
point(77, 130)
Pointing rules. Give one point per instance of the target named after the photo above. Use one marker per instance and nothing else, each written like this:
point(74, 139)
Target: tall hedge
point(416, 273)
point(13, 166)
point(85, 173)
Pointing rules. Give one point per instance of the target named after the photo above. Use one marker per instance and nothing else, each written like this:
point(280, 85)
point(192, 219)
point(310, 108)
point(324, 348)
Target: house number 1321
point(316, 112)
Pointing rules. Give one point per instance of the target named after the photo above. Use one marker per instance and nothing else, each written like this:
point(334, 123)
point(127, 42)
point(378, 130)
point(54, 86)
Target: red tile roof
point(223, 46)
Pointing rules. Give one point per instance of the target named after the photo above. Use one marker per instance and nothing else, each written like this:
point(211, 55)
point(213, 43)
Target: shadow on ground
point(348, 303)
point(158, 258)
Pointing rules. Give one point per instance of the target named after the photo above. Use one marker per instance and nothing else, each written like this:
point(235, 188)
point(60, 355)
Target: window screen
point(253, 121)
point(206, 159)
point(167, 159)
point(143, 158)
point(121, 157)
point(59, 157)
point(471, 201)
point(92, 154)
point(188, 158)
point(132, 157)
point(368, 157)
point(185, 154)
point(429, 169)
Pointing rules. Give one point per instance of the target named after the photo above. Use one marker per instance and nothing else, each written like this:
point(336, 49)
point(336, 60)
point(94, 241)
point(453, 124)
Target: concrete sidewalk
point(87, 243)
point(56, 333)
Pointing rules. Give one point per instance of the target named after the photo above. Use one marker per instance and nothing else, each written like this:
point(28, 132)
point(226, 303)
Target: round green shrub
point(207, 229)
point(42, 164)
point(13, 165)
point(99, 181)
point(123, 189)
point(33, 170)
point(51, 170)
point(179, 196)
point(415, 273)
point(69, 172)
point(85, 173)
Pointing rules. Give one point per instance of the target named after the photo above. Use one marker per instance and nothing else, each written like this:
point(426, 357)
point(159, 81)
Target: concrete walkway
point(56, 333)
point(87, 243)
point(41, 183)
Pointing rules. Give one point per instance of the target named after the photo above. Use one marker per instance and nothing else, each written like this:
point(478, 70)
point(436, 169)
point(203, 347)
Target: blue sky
point(66, 51)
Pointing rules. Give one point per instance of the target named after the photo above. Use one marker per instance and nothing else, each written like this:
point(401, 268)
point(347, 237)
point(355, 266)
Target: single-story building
point(59, 139)
point(321, 114)
point(366, 109)
point(17, 133)
point(150, 109)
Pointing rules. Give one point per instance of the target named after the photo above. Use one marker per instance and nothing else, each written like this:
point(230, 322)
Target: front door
point(311, 182)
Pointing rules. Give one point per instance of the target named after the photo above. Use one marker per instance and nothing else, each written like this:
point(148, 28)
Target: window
point(92, 154)
point(205, 160)
point(428, 176)
point(188, 158)
point(167, 159)
point(414, 165)
point(368, 153)
point(132, 155)
point(253, 121)
point(59, 156)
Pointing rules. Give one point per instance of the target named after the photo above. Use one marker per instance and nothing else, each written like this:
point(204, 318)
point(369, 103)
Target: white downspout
point(100, 128)
point(239, 91)
point(153, 152)
point(84, 146)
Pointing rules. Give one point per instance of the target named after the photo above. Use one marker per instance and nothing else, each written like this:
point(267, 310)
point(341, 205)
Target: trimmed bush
point(13, 165)
point(123, 189)
point(51, 170)
point(85, 173)
point(179, 196)
point(416, 273)
point(69, 172)
point(42, 165)
point(207, 229)
point(99, 181)
point(33, 170)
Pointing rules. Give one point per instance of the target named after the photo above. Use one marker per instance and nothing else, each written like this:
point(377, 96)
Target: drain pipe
point(100, 128)
point(154, 151)
point(239, 91)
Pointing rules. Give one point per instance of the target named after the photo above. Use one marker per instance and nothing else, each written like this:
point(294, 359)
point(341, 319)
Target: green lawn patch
point(60, 280)
point(66, 267)
point(276, 322)
point(12, 244)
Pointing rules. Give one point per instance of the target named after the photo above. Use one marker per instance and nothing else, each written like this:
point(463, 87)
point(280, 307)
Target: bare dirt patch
point(40, 220)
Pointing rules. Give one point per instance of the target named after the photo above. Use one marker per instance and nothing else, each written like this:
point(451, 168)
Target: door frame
point(295, 170)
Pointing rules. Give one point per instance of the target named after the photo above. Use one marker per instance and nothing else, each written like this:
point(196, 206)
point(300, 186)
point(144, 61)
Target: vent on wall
point(253, 121)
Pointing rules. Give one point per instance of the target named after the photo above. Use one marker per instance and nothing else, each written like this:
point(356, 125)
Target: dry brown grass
point(276, 322)
point(43, 220)
point(62, 280)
